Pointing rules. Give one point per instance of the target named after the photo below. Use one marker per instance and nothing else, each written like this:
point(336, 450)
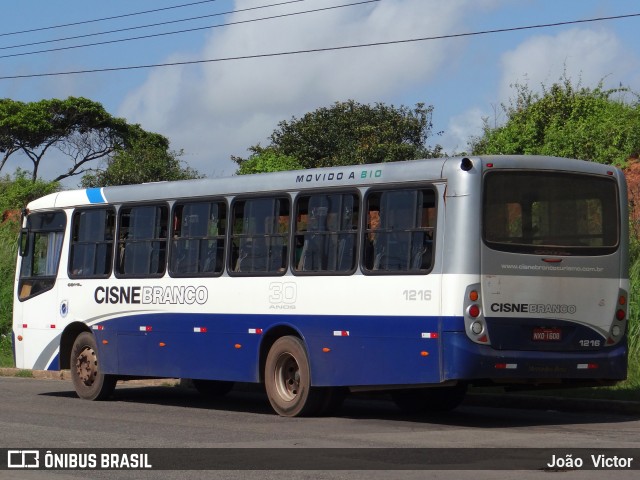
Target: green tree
point(568, 121)
point(16, 192)
point(82, 130)
point(146, 159)
point(352, 133)
point(265, 160)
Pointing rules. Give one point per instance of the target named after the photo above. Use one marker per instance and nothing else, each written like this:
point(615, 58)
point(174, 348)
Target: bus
point(418, 279)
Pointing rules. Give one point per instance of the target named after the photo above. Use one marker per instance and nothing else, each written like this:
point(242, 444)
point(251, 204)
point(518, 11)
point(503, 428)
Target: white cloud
point(584, 55)
point(221, 108)
point(461, 129)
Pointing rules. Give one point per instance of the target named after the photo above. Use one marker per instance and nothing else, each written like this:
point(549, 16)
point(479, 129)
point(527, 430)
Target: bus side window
point(400, 231)
point(142, 241)
point(92, 236)
point(326, 233)
point(198, 243)
point(44, 235)
point(260, 236)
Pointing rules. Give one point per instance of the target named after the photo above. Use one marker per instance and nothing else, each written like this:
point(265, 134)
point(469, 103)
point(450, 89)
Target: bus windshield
point(550, 213)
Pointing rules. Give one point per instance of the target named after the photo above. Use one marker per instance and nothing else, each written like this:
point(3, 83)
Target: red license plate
point(547, 334)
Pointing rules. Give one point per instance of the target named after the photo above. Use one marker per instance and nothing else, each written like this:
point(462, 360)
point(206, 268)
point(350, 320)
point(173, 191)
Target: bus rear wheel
point(89, 382)
point(287, 380)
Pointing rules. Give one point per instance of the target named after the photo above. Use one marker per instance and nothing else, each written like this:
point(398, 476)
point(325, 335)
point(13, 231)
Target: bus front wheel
point(89, 382)
point(288, 381)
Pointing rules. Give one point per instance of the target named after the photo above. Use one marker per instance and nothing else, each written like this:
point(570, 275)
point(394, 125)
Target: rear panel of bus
point(553, 291)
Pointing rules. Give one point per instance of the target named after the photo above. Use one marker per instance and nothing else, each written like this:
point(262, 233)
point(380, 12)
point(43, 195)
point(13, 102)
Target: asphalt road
point(46, 414)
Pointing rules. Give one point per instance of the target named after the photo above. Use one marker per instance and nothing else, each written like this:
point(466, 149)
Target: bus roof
point(297, 180)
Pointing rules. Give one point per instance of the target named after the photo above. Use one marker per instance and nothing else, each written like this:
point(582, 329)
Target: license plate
point(547, 334)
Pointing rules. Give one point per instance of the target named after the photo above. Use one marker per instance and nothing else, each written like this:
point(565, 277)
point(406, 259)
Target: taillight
point(621, 308)
point(474, 320)
point(619, 325)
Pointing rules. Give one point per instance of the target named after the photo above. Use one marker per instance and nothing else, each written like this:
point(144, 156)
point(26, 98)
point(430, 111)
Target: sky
point(222, 105)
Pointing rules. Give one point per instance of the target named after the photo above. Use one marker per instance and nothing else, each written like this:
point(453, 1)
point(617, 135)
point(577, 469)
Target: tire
point(429, 400)
point(212, 388)
point(89, 382)
point(288, 381)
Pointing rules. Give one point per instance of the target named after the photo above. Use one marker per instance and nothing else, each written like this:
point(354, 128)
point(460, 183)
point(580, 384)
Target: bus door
point(551, 262)
point(36, 305)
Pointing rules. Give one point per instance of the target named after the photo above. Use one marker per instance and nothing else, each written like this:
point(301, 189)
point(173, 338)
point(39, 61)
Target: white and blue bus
point(419, 278)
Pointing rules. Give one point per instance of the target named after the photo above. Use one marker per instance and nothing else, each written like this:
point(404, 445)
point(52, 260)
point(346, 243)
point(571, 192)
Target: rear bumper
point(466, 360)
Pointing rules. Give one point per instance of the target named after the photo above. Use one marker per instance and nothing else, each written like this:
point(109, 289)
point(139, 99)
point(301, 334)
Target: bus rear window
point(550, 213)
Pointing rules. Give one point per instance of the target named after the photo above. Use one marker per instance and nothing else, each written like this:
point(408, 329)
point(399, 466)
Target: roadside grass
point(6, 352)
point(8, 252)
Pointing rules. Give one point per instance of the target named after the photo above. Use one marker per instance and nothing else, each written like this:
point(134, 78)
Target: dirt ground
point(632, 174)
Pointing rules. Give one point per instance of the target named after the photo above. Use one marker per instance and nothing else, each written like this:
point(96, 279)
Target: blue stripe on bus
point(55, 363)
point(342, 349)
point(377, 350)
point(95, 195)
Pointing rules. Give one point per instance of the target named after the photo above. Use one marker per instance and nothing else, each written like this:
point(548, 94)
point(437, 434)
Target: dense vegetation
point(8, 249)
point(567, 121)
point(348, 133)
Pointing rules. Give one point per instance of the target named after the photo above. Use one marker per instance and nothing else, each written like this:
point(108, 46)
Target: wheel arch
point(269, 338)
point(67, 338)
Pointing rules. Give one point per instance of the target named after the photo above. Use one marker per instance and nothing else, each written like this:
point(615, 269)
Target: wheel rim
point(287, 377)
point(87, 366)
